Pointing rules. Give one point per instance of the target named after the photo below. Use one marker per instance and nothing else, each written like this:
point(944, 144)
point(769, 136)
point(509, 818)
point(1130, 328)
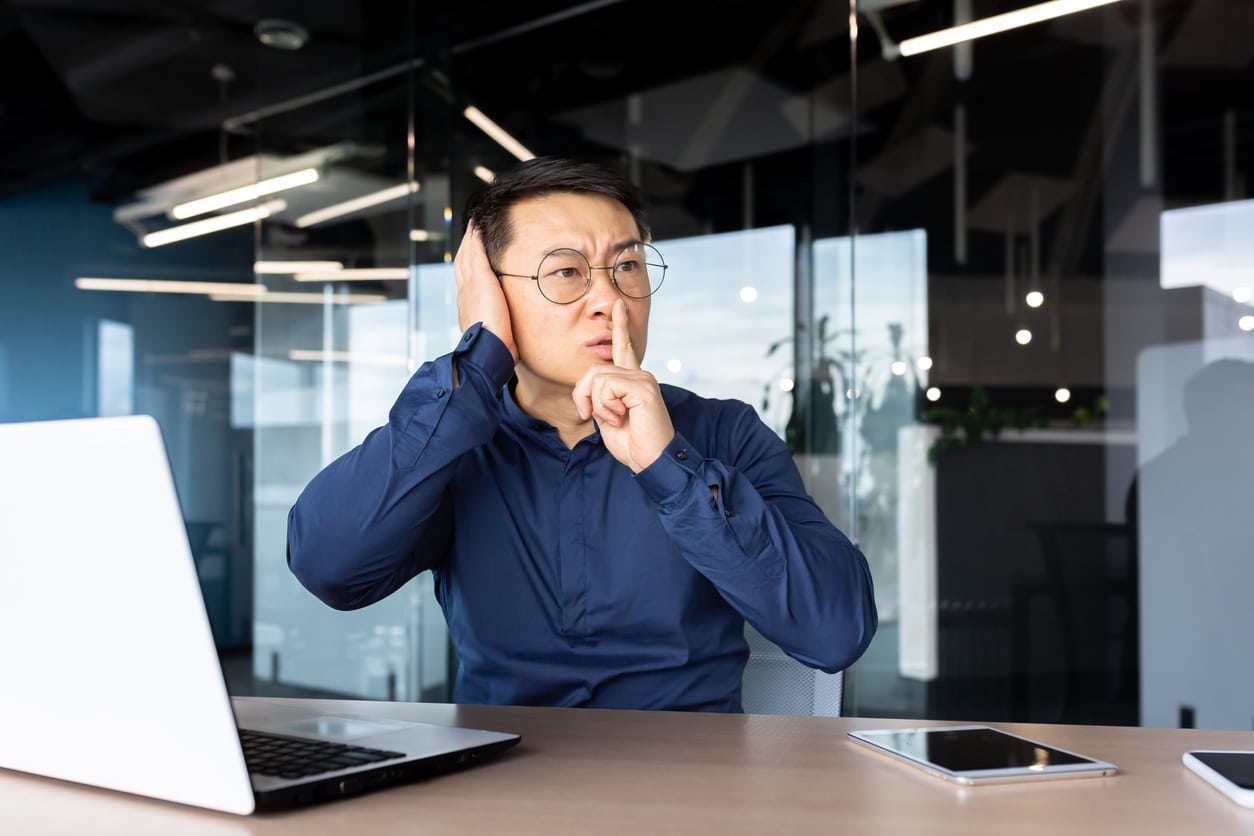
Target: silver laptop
point(109, 669)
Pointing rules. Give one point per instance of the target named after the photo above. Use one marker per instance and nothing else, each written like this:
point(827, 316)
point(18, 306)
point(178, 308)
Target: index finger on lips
point(624, 354)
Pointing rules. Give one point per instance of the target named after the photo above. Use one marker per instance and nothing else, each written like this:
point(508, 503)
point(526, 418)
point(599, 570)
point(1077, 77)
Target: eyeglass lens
point(565, 275)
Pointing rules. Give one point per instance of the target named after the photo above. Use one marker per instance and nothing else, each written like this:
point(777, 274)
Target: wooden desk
point(585, 771)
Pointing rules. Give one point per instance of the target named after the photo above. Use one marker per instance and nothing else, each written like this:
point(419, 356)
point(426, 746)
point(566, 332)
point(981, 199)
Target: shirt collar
point(513, 412)
point(533, 427)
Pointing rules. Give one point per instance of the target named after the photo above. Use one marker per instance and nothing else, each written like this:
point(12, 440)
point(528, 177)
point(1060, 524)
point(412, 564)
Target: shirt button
point(727, 512)
point(682, 455)
point(466, 338)
point(440, 393)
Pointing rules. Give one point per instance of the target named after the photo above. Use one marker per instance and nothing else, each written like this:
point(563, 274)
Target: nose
point(602, 293)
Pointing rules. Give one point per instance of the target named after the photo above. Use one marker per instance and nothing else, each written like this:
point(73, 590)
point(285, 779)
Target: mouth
point(602, 347)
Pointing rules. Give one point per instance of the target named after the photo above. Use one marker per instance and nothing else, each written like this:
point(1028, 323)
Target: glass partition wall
point(995, 296)
point(336, 332)
point(1067, 510)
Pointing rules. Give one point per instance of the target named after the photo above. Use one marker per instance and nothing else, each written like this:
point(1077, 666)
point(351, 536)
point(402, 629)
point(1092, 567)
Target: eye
point(564, 266)
point(630, 264)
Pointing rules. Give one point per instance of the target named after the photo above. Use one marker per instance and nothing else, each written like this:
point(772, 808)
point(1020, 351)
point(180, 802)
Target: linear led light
point(996, 23)
point(214, 224)
point(426, 235)
point(222, 291)
point(498, 134)
point(280, 267)
point(213, 202)
point(374, 359)
point(249, 291)
point(484, 173)
point(335, 210)
point(302, 298)
point(355, 274)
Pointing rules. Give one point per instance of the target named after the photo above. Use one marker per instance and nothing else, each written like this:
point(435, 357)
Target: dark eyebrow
point(618, 245)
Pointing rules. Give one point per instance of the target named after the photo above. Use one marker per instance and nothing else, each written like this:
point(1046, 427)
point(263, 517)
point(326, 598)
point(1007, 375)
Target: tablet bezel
point(881, 740)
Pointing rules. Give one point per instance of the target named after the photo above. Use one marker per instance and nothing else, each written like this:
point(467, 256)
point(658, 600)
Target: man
point(597, 539)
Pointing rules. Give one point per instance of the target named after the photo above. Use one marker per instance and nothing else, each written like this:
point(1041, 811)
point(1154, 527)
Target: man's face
point(557, 344)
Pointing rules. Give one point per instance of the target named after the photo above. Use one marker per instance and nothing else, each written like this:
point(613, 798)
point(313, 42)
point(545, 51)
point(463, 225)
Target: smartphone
point(1231, 771)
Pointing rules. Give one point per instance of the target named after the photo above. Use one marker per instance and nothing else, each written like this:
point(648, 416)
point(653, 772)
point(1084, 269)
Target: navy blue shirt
point(565, 578)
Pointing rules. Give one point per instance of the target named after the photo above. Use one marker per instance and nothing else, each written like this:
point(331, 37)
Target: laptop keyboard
point(293, 757)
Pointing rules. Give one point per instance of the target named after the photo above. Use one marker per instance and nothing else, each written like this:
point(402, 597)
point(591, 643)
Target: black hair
point(490, 206)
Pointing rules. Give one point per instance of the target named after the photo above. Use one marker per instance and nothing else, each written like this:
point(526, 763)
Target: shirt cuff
point(669, 477)
point(484, 352)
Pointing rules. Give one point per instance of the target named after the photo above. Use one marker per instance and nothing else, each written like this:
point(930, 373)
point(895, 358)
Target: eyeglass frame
point(588, 283)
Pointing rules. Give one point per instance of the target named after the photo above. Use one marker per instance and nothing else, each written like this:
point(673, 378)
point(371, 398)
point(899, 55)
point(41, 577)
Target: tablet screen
point(978, 753)
point(963, 750)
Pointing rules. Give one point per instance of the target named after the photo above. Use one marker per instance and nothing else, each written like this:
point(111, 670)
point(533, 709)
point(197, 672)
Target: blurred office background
point(996, 296)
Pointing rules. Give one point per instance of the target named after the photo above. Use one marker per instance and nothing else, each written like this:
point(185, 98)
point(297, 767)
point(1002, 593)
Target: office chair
point(776, 683)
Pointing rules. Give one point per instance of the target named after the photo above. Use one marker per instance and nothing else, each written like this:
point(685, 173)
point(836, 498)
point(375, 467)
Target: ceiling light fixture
point(224, 291)
point(281, 34)
point(243, 194)
point(996, 23)
point(251, 291)
point(215, 224)
point(366, 358)
point(364, 202)
point(497, 133)
point(160, 199)
point(281, 267)
point(354, 274)
point(484, 173)
point(303, 298)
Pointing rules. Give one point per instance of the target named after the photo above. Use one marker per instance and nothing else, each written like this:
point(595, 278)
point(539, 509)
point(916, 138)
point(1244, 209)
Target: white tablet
point(980, 754)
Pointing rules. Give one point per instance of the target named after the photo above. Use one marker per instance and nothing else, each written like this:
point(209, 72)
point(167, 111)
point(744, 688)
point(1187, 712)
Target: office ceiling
point(136, 92)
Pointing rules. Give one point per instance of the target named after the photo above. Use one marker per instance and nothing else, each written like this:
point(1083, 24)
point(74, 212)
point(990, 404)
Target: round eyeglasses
point(565, 275)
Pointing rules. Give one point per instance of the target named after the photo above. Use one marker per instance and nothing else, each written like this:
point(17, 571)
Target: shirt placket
point(572, 558)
